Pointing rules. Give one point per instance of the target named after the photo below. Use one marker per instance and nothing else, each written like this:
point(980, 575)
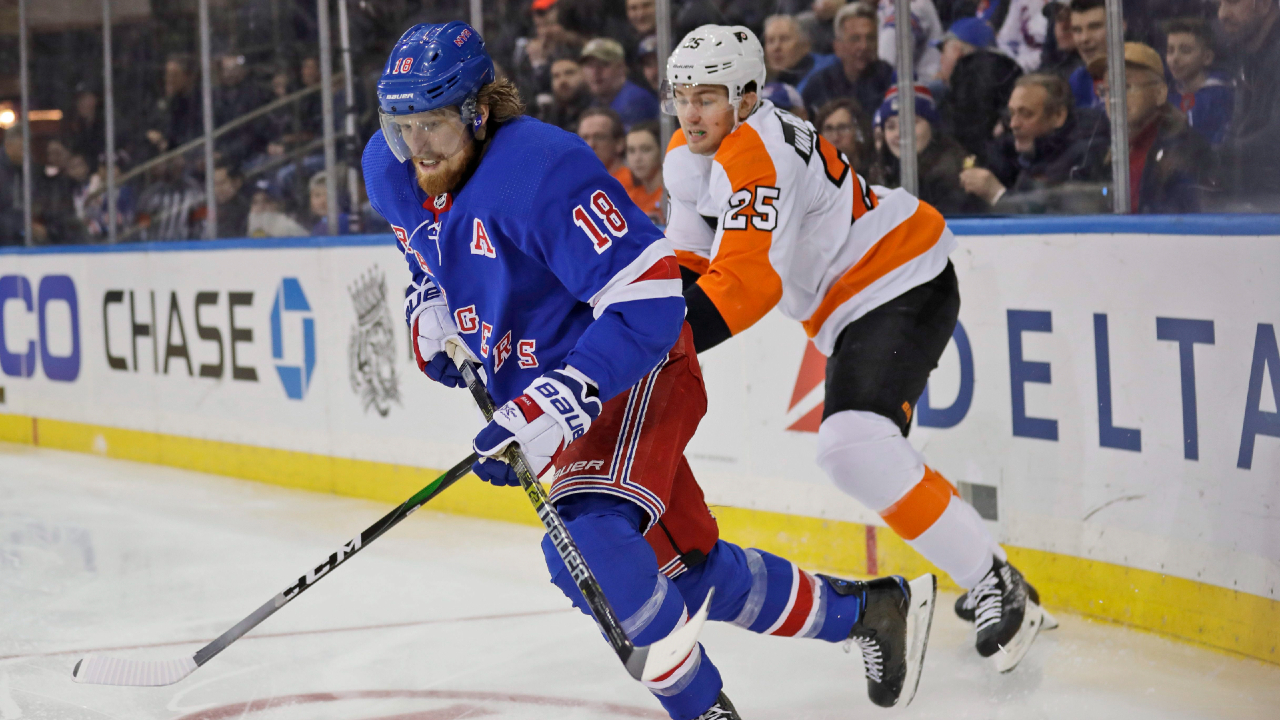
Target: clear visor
point(433, 136)
point(682, 100)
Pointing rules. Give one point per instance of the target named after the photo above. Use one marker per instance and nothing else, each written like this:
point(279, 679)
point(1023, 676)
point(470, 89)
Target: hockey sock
point(650, 606)
point(769, 595)
point(867, 457)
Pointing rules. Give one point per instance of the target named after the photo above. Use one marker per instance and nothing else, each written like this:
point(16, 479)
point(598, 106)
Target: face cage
point(392, 132)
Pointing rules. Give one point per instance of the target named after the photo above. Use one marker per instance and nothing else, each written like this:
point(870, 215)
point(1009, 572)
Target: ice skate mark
point(473, 705)
point(1109, 503)
point(264, 636)
point(9, 709)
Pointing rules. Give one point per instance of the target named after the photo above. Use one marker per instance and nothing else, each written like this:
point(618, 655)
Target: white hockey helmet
point(728, 55)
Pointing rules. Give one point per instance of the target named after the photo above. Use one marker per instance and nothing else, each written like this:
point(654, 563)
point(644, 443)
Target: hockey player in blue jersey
point(524, 249)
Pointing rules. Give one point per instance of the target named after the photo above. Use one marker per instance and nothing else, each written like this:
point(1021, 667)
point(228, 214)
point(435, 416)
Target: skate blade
point(1033, 620)
point(924, 595)
point(1050, 622)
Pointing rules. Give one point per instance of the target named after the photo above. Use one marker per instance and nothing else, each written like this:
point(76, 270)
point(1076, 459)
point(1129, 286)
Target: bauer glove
point(554, 410)
point(431, 327)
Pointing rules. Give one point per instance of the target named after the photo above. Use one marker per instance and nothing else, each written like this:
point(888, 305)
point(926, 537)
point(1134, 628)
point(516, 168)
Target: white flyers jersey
point(777, 217)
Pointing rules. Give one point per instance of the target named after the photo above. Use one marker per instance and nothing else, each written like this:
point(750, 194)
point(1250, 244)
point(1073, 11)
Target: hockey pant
point(755, 590)
point(876, 374)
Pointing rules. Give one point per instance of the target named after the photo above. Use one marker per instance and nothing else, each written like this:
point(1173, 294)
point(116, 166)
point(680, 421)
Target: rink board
point(1059, 407)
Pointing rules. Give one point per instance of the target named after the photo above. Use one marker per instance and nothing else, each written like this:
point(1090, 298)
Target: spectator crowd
point(1011, 103)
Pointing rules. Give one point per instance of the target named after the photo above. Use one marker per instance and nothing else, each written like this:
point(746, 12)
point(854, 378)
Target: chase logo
point(291, 301)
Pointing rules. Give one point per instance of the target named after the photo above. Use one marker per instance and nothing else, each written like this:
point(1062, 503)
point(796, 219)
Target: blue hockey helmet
point(432, 67)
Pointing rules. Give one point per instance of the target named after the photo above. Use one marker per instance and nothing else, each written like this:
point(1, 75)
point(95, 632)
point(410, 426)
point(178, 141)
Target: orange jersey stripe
point(693, 261)
point(900, 246)
point(741, 281)
point(921, 507)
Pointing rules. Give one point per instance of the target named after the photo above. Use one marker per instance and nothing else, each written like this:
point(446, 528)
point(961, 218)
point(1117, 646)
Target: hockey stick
point(643, 663)
point(103, 670)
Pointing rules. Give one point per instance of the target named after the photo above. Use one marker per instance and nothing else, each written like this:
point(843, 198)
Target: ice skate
point(722, 710)
point(1006, 613)
point(892, 633)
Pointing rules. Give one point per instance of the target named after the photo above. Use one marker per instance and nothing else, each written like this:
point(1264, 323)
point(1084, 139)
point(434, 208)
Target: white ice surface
point(447, 618)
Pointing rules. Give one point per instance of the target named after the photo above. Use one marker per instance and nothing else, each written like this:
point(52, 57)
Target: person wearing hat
point(978, 81)
point(1168, 162)
point(939, 157)
point(605, 64)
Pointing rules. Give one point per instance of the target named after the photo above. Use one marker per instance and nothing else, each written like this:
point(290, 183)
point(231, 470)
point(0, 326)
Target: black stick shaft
point(582, 576)
point(373, 532)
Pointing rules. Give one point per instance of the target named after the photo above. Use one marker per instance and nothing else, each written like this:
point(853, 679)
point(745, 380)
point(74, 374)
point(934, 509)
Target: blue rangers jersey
point(542, 258)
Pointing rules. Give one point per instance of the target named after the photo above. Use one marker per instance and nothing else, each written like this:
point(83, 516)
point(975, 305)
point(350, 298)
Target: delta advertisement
point(1106, 396)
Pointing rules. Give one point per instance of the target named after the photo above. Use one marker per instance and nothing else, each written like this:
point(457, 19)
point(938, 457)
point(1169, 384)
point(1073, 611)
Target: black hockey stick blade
point(105, 670)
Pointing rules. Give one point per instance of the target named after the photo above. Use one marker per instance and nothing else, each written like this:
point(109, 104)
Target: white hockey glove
point(554, 410)
point(431, 327)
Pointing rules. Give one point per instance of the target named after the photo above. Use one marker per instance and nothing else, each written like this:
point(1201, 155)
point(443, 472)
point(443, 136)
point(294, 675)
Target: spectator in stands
point(1168, 162)
point(940, 158)
point(843, 124)
point(176, 116)
point(606, 73)
point(695, 14)
point(1059, 52)
point(643, 178)
point(786, 52)
point(172, 206)
point(1089, 30)
point(266, 214)
point(602, 129)
point(1204, 95)
point(569, 95)
point(817, 23)
point(233, 205)
point(53, 210)
point(647, 59)
point(78, 172)
point(1043, 148)
point(238, 94)
point(11, 220)
point(643, 16)
point(319, 193)
point(785, 97)
point(979, 82)
point(1251, 150)
point(86, 129)
point(860, 73)
point(926, 28)
point(532, 59)
point(1021, 35)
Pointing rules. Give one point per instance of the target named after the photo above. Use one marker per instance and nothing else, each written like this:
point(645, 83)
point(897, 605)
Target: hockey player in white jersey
point(766, 212)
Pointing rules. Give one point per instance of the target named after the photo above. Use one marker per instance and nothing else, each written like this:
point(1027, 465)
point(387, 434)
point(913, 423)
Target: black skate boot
point(722, 710)
point(892, 633)
point(1007, 615)
point(966, 605)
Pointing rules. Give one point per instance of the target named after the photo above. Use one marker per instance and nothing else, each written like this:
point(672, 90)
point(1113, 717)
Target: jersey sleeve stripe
point(904, 243)
point(653, 274)
point(693, 261)
point(741, 280)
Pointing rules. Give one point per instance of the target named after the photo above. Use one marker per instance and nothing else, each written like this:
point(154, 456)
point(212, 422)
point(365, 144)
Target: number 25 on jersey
point(760, 199)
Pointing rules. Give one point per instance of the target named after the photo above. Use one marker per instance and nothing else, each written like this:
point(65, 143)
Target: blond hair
point(503, 100)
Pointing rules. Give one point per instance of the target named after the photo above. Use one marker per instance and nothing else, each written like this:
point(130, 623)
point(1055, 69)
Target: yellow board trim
point(1184, 609)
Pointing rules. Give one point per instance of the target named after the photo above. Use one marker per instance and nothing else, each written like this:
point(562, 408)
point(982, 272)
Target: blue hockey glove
point(554, 410)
